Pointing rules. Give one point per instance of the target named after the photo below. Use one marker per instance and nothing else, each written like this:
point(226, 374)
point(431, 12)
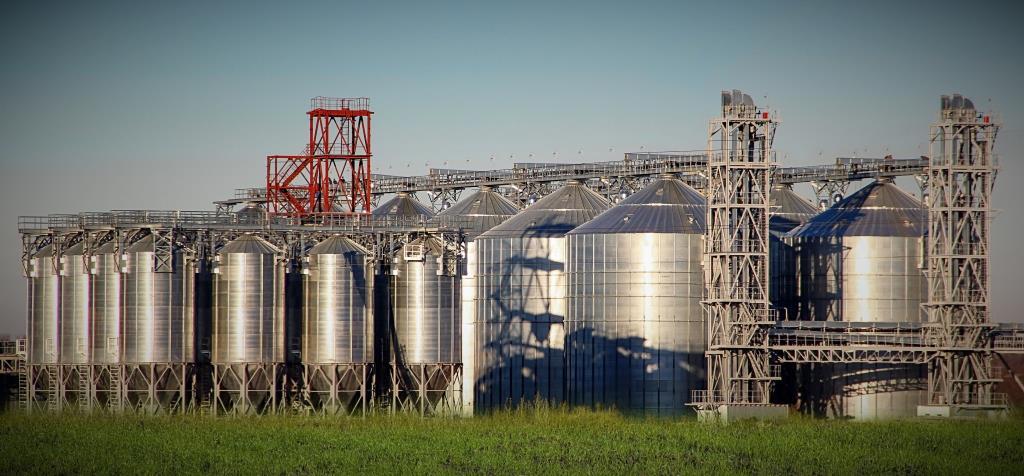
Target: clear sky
point(172, 105)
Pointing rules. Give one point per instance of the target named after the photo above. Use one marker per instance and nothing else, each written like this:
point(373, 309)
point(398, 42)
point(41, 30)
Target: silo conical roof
point(106, 248)
point(788, 210)
point(249, 244)
point(667, 205)
point(403, 205)
point(337, 245)
point(77, 249)
point(554, 215)
point(478, 212)
point(878, 209)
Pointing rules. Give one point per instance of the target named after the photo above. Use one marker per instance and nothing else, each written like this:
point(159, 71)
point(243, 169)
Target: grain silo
point(105, 309)
point(788, 211)
point(426, 327)
point(44, 307)
point(248, 350)
point(860, 261)
point(635, 331)
point(337, 326)
point(474, 214)
point(521, 299)
point(157, 325)
point(403, 206)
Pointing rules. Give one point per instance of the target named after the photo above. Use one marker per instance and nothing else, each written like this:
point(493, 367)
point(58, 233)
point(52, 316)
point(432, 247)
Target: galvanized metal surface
point(860, 261)
point(248, 303)
point(158, 320)
point(74, 306)
point(788, 210)
point(105, 306)
point(337, 308)
point(477, 212)
point(635, 330)
point(521, 300)
point(403, 205)
point(44, 308)
point(425, 305)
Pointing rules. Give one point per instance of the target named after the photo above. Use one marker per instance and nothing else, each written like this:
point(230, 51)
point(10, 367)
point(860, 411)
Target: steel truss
point(156, 387)
point(736, 273)
point(960, 179)
point(427, 389)
point(338, 389)
point(247, 388)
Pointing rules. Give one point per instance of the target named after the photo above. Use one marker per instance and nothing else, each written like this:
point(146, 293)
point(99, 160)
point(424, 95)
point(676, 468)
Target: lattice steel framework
point(333, 175)
point(736, 253)
point(961, 177)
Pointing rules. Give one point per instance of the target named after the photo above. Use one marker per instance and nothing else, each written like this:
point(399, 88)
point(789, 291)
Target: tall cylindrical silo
point(521, 300)
point(158, 323)
point(635, 328)
point(474, 214)
point(337, 324)
point(860, 261)
point(74, 306)
point(44, 308)
point(248, 307)
point(105, 305)
point(788, 211)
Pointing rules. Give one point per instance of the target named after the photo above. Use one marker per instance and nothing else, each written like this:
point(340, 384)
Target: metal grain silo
point(337, 325)
point(635, 331)
point(788, 210)
point(158, 324)
point(403, 206)
point(860, 261)
point(521, 299)
point(427, 350)
point(74, 306)
point(474, 214)
point(44, 307)
point(248, 332)
point(105, 305)
point(248, 307)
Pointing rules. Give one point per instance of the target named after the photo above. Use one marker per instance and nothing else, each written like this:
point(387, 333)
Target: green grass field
point(536, 441)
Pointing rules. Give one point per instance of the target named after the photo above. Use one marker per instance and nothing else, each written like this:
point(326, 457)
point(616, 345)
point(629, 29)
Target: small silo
point(248, 332)
point(788, 211)
point(426, 338)
point(635, 332)
point(74, 306)
point(105, 305)
point(44, 308)
point(860, 261)
point(474, 214)
point(521, 299)
point(337, 325)
point(157, 326)
point(403, 206)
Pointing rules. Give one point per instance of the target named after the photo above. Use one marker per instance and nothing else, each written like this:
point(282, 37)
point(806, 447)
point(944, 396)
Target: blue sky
point(173, 105)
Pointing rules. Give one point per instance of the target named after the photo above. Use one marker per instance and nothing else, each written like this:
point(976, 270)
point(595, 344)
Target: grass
point(551, 441)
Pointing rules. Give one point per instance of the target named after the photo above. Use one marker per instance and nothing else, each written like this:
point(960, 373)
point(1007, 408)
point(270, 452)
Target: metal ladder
point(53, 396)
point(203, 390)
point(23, 382)
point(114, 391)
point(84, 384)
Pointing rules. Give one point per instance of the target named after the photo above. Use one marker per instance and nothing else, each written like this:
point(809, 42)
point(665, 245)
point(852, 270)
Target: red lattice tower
point(333, 176)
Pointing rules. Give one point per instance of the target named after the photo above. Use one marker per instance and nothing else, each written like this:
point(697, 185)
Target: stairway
point(114, 391)
point(23, 382)
point(84, 384)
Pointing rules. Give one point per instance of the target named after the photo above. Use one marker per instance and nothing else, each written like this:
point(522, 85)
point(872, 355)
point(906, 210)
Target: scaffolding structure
point(736, 305)
point(960, 179)
point(332, 176)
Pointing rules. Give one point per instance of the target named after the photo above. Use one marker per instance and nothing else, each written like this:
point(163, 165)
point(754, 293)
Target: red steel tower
point(333, 176)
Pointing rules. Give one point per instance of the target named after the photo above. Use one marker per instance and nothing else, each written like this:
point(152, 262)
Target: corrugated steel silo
point(74, 306)
point(474, 214)
point(337, 328)
point(248, 306)
point(337, 309)
point(44, 308)
point(521, 299)
point(426, 305)
point(158, 322)
point(860, 261)
point(788, 211)
point(105, 305)
point(635, 328)
point(403, 205)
